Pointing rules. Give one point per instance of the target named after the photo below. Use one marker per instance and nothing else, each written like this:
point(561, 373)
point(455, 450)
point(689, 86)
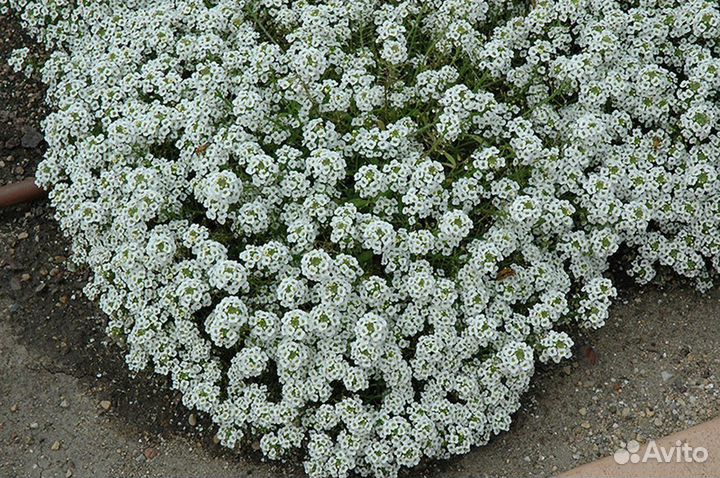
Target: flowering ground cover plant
point(351, 228)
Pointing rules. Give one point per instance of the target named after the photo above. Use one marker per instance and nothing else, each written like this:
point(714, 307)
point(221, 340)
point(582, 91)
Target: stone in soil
point(31, 138)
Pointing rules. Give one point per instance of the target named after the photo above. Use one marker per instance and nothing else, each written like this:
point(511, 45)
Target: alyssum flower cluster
point(350, 228)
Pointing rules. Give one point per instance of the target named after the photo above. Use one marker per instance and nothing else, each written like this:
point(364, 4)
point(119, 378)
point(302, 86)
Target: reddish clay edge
point(20, 192)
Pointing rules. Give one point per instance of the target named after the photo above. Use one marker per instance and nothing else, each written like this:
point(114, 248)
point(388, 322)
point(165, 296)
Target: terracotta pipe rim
point(20, 192)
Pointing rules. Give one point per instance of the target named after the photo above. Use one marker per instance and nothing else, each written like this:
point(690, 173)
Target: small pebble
point(15, 283)
point(22, 235)
point(585, 425)
point(192, 420)
point(151, 453)
point(105, 405)
point(31, 138)
point(583, 411)
point(56, 445)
